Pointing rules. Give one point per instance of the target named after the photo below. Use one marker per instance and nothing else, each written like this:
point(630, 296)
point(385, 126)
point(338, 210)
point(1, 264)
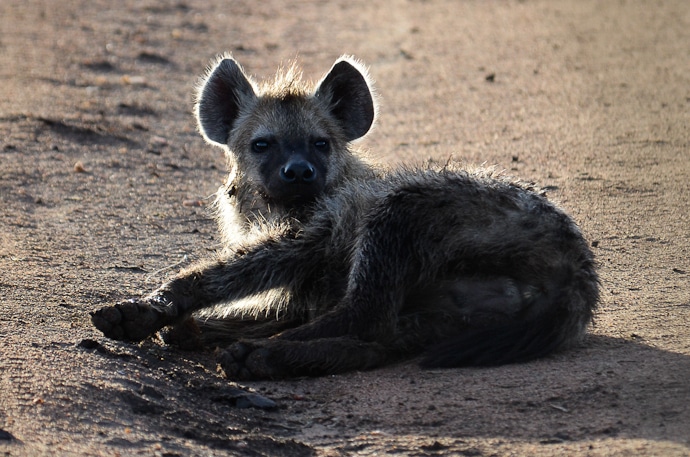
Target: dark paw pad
point(249, 360)
point(130, 320)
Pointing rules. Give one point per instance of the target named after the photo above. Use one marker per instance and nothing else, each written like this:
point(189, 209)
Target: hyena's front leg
point(385, 265)
point(267, 266)
point(137, 318)
point(275, 358)
point(358, 334)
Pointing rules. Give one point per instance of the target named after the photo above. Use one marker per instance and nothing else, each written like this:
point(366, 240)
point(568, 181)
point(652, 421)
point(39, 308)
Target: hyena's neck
point(246, 215)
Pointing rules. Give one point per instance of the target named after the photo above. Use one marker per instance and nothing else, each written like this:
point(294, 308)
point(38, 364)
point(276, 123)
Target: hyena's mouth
point(294, 195)
point(296, 201)
point(289, 202)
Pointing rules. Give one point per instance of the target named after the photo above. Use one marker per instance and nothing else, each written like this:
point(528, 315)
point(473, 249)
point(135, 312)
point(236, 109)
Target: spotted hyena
point(333, 264)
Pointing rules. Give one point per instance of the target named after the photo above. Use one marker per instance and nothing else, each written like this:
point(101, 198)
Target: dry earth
point(104, 182)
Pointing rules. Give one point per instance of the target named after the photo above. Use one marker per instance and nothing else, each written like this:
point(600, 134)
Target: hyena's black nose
point(298, 170)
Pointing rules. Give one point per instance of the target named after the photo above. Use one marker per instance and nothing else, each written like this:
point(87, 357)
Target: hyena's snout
point(300, 181)
point(297, 179)
point(298, 171)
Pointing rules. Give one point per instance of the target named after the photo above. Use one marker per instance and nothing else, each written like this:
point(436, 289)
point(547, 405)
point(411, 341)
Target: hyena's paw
point(131, 320)
point(247, 360)
point(186, 335)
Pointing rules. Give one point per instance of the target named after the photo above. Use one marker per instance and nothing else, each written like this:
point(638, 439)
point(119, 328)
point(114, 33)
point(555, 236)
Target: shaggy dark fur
point(332, 264)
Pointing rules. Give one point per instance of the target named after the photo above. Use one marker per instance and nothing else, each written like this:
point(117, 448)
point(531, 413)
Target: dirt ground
point(104, 183)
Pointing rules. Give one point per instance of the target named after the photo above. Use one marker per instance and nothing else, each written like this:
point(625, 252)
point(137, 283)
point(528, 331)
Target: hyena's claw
point(130, 320)
point(246, 361)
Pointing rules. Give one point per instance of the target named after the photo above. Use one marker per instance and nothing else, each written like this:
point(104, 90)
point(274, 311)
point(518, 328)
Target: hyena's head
point(287, 141)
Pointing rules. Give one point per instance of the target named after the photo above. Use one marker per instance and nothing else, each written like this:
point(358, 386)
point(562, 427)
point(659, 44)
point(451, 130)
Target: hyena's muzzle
point(293, 172)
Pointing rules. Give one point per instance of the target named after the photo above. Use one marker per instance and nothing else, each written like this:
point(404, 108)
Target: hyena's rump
point(332, 264)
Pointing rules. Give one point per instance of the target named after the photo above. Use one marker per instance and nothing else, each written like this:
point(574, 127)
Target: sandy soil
point(104, 182)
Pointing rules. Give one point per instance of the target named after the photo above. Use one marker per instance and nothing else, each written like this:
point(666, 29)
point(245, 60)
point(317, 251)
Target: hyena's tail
point(558, 319)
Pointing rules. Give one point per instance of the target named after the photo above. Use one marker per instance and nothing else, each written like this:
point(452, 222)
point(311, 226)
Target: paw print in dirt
point(131, 320)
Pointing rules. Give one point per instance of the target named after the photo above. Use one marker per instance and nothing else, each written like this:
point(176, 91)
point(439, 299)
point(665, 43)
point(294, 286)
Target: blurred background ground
point(104, 184)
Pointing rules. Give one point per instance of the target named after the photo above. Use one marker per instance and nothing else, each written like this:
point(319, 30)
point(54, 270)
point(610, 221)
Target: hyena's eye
point(260, 145)
point(322, 145)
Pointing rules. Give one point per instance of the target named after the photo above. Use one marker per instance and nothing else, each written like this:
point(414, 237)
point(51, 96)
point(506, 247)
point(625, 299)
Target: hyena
point(333, 264)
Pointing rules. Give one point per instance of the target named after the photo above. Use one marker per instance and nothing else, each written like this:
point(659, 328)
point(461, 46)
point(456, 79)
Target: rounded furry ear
point(346, 91)
point(222, 95)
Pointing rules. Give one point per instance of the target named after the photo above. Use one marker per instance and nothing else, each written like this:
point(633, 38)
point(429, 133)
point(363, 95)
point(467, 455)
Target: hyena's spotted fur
point(332, 264)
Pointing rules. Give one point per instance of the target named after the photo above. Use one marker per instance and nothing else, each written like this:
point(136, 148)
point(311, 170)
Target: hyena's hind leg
point(485, 301)
point(541, 320)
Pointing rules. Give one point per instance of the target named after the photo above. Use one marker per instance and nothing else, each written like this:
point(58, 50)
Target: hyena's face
point(287, 141)
point(287, 147)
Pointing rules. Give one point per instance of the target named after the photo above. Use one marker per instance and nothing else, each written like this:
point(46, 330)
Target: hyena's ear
point(345, 89)
point(222, 95)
